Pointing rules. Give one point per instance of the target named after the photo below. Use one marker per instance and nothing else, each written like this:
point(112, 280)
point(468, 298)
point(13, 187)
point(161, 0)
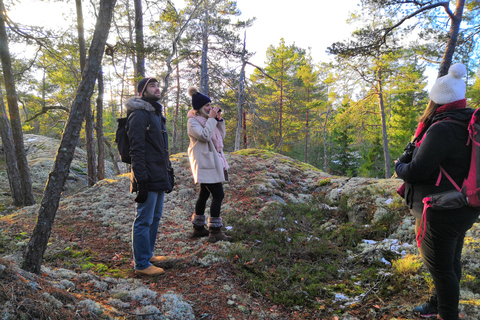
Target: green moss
point(265, 154)
point(324, 182)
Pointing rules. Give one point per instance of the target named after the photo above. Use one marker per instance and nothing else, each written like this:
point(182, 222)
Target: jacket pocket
point(207, 161)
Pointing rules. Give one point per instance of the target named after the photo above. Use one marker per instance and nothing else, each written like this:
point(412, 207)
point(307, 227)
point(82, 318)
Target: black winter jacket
point(148, 138)
point(444, 144)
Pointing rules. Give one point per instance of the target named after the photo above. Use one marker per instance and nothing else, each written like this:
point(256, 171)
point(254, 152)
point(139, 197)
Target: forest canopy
point(325, 113)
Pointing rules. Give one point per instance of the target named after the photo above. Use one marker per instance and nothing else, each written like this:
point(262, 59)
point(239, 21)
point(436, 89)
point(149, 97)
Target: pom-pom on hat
point(142, 85)
point(450, 87)
point(198, 99)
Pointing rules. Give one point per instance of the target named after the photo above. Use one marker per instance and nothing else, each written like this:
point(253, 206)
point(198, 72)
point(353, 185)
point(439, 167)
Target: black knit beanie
point(198, 99)
point(142, 85)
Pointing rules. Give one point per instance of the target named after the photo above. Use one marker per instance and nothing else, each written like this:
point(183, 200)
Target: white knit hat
point(451, 87)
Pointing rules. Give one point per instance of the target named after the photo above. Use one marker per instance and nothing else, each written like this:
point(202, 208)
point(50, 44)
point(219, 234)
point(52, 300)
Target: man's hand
point(142, 192)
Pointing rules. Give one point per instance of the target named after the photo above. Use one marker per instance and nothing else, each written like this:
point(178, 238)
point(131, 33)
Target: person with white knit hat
point(206, 130)
point(451, 87)
point(440, 141)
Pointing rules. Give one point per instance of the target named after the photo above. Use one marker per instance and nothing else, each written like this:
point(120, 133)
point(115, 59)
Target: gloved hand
point(407, 155)
point(142, 192)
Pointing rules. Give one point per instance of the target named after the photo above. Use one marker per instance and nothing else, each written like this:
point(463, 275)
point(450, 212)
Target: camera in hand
point(407, 155)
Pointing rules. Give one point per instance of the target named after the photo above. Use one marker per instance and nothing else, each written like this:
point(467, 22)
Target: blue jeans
point(145, 228)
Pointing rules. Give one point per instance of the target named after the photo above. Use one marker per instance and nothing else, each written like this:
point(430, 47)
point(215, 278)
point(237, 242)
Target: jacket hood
point(459, 114)
point(136, 103)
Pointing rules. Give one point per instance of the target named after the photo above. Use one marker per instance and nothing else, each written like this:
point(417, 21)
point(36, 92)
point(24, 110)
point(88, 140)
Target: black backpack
point(121, 139)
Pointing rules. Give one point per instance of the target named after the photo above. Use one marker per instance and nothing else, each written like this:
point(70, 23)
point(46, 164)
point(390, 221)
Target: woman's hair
point(429, 112)
point(201, 112)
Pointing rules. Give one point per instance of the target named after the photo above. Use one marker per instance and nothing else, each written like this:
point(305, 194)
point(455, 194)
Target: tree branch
point(46, 109)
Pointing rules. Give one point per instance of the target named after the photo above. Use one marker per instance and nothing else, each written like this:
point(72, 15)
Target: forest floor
point(87, 272)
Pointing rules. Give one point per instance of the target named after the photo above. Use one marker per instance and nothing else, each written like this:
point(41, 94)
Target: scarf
point(422, 127)
point(216, 137)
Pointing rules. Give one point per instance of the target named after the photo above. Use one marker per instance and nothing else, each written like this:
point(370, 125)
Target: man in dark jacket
point(149, 178)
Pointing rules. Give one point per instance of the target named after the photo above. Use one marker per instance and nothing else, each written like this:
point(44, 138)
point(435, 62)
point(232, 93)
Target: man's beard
point(151, 97)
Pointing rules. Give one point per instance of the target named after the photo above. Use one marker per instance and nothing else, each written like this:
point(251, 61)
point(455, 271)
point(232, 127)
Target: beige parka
point(204, 159)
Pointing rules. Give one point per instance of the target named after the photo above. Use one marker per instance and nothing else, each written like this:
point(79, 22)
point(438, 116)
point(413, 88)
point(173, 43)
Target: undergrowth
point(299, 256)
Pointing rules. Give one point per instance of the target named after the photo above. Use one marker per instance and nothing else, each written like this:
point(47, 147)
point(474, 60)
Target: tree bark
point(325, 144)
point(177, 109)
point(386, 152)
point(238, 134)
point(306, 126)
point(139, 43)
point(89, 137)
point(456, 20)
point(112, 154)
point(51, 198)
point(99, 127)
point(245, 141)
point(15, 121)
point(9, 150)
point(204, 70)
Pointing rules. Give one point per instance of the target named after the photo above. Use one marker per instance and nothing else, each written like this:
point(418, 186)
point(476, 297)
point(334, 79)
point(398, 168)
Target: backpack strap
point(448, 177)
point(465, 125)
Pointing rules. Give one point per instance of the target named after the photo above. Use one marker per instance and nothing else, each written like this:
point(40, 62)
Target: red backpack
point(471, 185)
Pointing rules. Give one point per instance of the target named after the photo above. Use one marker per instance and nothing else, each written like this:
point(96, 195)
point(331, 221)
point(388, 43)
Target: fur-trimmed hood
point(136, 103)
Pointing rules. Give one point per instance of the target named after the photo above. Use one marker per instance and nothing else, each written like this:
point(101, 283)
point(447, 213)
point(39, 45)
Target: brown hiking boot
point(199, 232)
point(150, 271)
point(158, 259)
point(216, 234)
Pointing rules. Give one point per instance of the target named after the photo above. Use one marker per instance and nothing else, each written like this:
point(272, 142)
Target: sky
point(303, 22)
point(307, 23)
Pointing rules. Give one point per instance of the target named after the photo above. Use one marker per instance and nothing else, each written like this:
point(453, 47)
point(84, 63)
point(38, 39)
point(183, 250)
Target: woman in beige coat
point(206, 130)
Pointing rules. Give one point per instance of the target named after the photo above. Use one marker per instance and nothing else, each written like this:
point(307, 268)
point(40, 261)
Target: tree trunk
point(280, 106)
point(90, 146)
point(51, 198)
point(89, 137)
point(245, 144)
point(386, 152)
point(99, 127)
point(204, 70)
point(306, 137)
point(131, 52)
point(452, 39)
point(15, 122)
point(112, 154)
point(139, 44)
point(9, 150)
point(177, 109)
point(325, 145)
point(238, 134)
